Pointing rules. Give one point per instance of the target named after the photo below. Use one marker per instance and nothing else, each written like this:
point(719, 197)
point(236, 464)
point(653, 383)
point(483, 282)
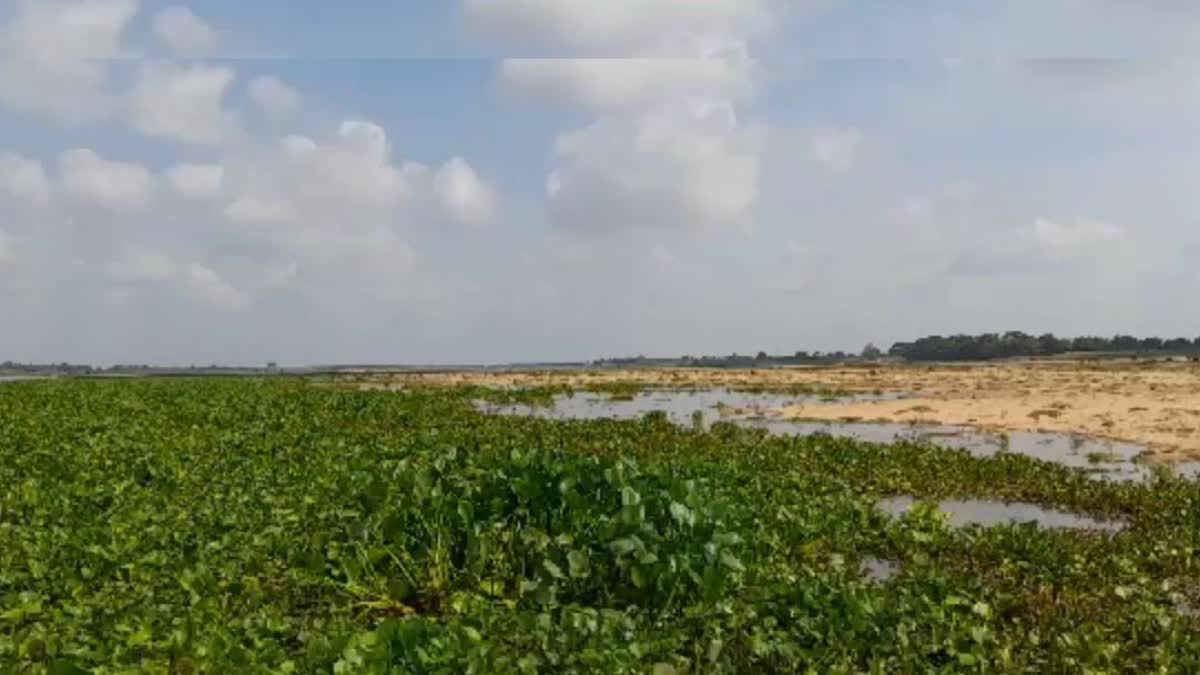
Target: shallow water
point(965, 512)
point(1107, 459)
point(714, 405)
point(879, 570)
point(17, 378)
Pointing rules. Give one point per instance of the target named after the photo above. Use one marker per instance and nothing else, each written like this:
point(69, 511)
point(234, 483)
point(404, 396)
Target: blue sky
point(381, 181)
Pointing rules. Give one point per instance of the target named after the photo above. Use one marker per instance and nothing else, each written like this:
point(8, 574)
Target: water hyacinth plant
point(266, 526)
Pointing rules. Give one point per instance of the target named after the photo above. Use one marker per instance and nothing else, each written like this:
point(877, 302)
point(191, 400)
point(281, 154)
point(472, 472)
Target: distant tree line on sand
point(1018, 344)
point(761, 360)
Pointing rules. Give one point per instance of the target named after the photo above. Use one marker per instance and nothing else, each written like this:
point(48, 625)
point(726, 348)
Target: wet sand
point(1156, 404)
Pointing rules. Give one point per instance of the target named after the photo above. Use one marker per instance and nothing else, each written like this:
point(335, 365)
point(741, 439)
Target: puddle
point(18, 378)
point(713, 405)
point(965, 512)
point(879, 570)
point(1105, 459)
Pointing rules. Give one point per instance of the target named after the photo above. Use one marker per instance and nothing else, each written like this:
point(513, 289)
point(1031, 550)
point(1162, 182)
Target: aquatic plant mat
point(274, 526)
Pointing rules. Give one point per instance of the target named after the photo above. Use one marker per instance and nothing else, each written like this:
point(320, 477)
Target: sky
point(487, 181)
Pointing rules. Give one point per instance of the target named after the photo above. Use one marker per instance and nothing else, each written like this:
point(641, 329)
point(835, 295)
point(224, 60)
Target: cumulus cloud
point(462, 194)
point(182, 103)
point(138, 268)
point(115, 185)
point(615, 27)
point(690, 167)
point(24, 179)
point(196, 181)
point(183, 32)
point(52, 56)
point(353, 170)
point(667, 147)
point(252, 208)
point(210, 288)
point(351, 181)
point(274, 98)
point(625, 82)
point(1079, 233)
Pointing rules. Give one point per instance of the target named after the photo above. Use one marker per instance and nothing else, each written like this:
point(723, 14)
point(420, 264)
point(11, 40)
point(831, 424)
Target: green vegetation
point(244, 526)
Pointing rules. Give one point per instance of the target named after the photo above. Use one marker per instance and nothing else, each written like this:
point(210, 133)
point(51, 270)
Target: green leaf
point(728, 559)
point(577, 564)
point(638, 577)
point(630, 497)
point(681, 513)
point(625, 545)
point(554, 570)
point(67, 668)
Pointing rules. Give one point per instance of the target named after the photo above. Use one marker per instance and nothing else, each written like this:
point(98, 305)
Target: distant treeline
point(762, 359)
point(76, 369)
point(14, 368)
point(1017, 344)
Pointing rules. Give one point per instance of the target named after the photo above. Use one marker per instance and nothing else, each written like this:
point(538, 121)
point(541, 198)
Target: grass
point(247, 526)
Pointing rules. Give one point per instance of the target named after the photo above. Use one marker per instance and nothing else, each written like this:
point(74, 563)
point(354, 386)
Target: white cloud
point(113, 184)
point(274, 97)
point(349, 179)
point(837, 148)
point(23, 178)
point(463, 194)
point(1080, 233)
point(182, 103)
point(137, 268)
point(52, 56)
point(210, 288)
point(623, 83)
point(196, 181)
point(183, 32)
point(686, 167)
point(615, 27)
point(366, 139)
point(296, 147)
point(88, 29)
point(252, 208)
point(667, 148)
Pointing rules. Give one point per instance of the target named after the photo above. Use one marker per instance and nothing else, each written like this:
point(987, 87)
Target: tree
point(1152, 344)
point(1125, 343)
point(1178, 345)
point(871, 352)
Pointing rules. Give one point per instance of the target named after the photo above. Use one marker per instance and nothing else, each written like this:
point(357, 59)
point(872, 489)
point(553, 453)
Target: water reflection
point(1107, 459)
point(965, 512)
point(879, 570)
